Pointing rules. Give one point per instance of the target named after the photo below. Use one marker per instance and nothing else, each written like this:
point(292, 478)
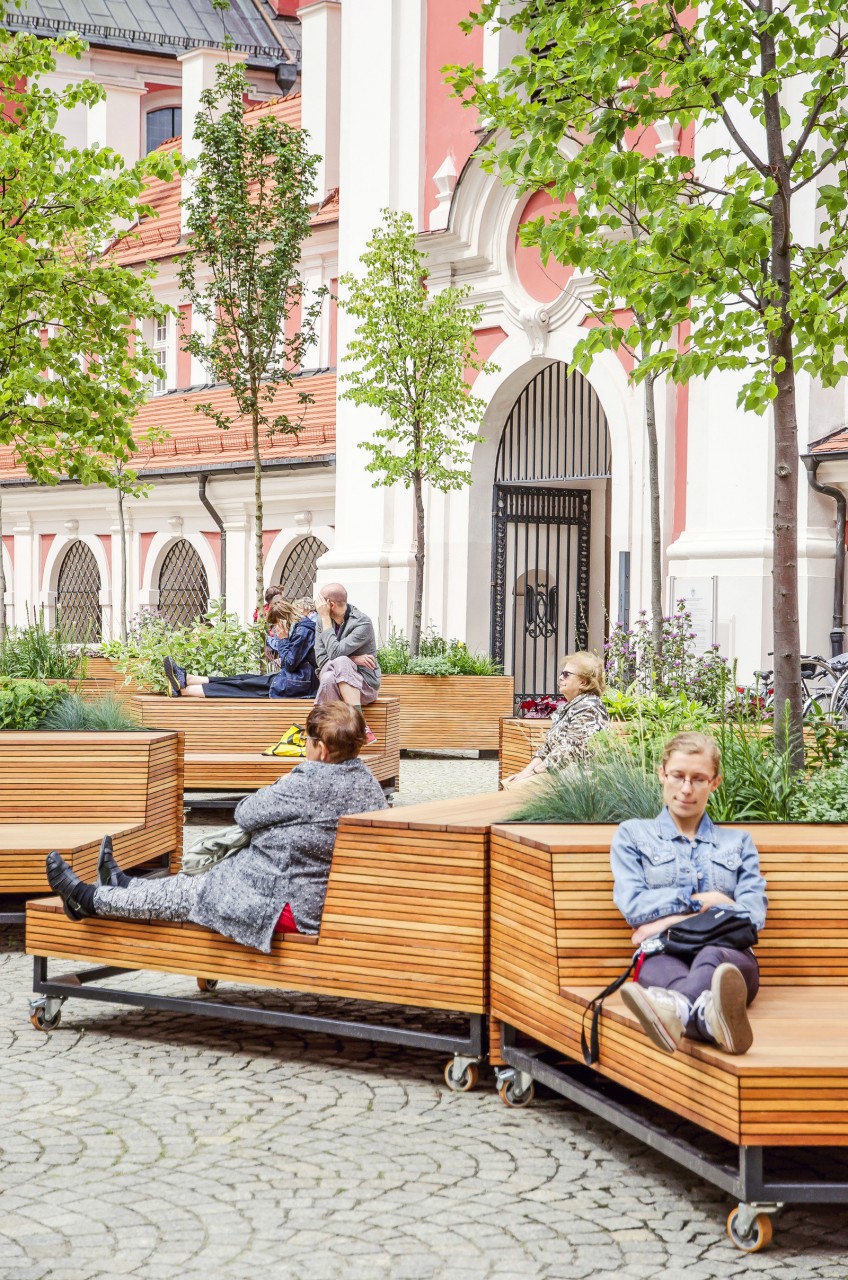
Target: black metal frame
point(746, 1181)
point(78, 985)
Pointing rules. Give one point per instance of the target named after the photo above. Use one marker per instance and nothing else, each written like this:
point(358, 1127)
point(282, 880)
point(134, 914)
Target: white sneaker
point(663, 1014)
point(726, 1010)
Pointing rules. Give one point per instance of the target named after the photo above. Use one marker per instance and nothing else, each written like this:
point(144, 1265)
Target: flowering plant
point(633, 660)
point(539, 708)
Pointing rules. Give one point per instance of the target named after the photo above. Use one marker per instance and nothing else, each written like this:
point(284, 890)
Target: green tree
point(72, 368)
point(127, 484)
point(407, 359)
point(248, 216)
point(726, 243)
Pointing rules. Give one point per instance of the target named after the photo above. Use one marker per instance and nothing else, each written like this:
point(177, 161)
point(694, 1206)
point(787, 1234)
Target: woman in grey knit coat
point(284, 870)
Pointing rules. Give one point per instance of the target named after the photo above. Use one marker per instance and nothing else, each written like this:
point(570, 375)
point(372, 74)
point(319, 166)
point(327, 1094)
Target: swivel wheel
point(40, 1020)
point(759, 1234)
point(207, 984)
point(461, 1081)
point(511, 1097)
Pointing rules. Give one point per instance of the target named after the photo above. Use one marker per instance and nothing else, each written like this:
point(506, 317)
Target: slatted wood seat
point(225, 737)
point(518, 742)
point(66, 790)
point(405, 919)
point(450, 713)
point(557, 940)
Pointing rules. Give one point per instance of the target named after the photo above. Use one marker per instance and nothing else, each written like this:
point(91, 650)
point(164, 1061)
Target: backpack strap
point(592, 1048)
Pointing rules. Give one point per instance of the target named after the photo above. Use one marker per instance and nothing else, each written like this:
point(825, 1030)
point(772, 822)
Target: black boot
point(108, 871)
point(77, 896)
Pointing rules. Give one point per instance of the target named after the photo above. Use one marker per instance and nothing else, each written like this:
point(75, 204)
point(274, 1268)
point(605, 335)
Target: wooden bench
point(66, 791)
point(450, 713)
point(405, 922)
point(557, 940)
point(225, 737)
point(518, 742)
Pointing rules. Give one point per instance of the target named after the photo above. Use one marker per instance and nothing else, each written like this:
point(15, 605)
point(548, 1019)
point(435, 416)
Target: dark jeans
point(238, 687)
point(692, 981)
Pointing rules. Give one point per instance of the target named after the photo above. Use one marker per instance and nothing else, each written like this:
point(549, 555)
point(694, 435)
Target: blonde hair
point(691, 743)
point(305, 604)
point(282, 610)
point(589, 668)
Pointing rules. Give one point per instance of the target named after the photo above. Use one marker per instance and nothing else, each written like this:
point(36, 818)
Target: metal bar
point(469, 1044)
point(12, 917)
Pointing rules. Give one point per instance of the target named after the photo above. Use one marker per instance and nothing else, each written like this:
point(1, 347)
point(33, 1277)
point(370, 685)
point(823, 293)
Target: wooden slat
point(454, 713)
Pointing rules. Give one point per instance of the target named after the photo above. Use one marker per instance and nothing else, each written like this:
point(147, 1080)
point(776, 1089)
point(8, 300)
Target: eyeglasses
point(696, 781)
point(565, 672)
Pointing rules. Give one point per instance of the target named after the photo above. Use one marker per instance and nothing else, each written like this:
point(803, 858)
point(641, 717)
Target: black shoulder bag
point(715, 927)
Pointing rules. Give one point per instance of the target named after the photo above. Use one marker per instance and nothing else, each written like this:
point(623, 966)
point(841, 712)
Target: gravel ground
point(153, 1145)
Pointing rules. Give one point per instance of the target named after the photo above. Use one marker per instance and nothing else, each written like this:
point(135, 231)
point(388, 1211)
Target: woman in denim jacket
point(669, 867)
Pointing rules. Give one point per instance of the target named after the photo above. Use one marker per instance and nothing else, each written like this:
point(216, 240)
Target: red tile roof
point(195, 442)
point(835, 442)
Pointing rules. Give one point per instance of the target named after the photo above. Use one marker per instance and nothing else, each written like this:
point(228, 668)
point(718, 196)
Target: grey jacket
point(292, 826)
point(355, 636)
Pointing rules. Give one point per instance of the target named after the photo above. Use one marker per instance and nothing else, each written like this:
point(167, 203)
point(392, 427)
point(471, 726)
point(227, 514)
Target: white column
point(321, 40)
point(198, 69)
point(116, 121)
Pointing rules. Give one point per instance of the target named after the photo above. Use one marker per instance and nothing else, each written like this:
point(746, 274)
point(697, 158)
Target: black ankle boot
point(77, 896)
point(108, 871)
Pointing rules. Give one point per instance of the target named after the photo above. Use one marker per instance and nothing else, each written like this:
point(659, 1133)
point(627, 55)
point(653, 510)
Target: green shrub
point(824, 798)
point(38, 652)
point(436, 657)
point(218, 645)
point(604, 790)
point(101, 715)
point(23, 703)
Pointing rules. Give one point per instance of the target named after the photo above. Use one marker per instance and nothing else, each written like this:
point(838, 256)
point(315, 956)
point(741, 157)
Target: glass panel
point(162, 125)
point(183, 585)
point(78, 594)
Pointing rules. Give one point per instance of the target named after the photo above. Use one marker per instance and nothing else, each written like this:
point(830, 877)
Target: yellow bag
point(292, 743)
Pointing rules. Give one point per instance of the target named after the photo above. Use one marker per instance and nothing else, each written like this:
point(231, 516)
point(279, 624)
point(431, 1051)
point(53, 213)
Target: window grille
point(160, 383)
point(163, 124)
point(78, 594)
point(160, 333)
point(298, 576)
point(183, 585)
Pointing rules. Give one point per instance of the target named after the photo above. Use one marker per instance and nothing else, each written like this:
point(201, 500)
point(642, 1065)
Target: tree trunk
point(122, 527)
point(415, 640)
point(257, 503)
point(2, 577)
point(656, 526)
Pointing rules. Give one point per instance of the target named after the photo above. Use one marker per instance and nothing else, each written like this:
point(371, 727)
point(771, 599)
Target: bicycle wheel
point(839, 702)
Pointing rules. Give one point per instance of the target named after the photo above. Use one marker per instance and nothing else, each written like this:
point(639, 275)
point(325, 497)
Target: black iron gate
point(541, 547)
point(555, 436)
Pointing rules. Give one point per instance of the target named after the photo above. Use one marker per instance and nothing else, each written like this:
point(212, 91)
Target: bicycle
point(819, 681)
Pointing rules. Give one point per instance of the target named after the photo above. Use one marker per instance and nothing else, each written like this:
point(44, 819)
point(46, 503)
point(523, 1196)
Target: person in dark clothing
point(278, 882)
point(292, 637)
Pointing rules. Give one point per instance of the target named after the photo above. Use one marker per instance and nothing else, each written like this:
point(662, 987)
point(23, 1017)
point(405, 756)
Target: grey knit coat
point(292, 826)
point(354, 637)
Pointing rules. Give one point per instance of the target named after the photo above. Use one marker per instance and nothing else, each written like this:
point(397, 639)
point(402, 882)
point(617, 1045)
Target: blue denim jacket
point(656, 870)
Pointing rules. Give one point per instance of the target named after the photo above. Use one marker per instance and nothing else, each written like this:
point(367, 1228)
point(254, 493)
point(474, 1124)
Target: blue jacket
point(298, 676)
point(656, 870)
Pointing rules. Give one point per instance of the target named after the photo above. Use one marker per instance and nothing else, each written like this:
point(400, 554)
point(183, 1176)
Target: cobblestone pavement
point(158, 1146)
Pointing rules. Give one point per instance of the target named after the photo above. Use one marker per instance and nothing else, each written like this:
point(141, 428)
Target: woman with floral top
point(581, 683)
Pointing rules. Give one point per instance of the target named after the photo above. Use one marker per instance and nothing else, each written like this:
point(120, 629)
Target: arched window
point(163, 124)
point(78, 594)
point(298, 576)
point(183, 585)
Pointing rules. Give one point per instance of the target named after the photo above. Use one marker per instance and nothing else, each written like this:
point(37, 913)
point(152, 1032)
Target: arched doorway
point(297, 576)
point(183, 585)
point(550, 511)
point(78, 595)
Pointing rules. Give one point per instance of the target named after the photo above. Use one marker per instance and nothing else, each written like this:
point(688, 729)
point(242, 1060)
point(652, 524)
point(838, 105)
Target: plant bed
point(451, 713)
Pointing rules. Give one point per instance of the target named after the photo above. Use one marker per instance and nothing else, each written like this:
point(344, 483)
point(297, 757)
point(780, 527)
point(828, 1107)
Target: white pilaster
point(321, 39)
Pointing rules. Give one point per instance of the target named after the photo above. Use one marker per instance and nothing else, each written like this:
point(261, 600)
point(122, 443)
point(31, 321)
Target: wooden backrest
point(519, 741)
point(250, 725)
point(806, 937)
point(82, 777)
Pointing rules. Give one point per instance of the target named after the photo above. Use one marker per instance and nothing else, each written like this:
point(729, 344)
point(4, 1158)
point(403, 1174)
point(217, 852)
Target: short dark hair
point(341, 728)
point(272, 591)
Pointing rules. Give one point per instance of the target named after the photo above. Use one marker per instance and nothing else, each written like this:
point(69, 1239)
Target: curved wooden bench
point(450, 713)
point(405, 922)
point(225, 737)
point(557, 940)
point(66, 791)
point(518, 742)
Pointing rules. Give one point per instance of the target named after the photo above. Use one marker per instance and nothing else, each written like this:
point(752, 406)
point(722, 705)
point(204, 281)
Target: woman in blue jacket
point(291, 636)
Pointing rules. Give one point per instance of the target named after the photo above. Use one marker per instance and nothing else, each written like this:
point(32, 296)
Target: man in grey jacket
point(285, 868)
point(345, 651)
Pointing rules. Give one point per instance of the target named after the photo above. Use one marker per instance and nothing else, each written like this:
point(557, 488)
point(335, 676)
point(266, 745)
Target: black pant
point(693, 980)
point(238, 687)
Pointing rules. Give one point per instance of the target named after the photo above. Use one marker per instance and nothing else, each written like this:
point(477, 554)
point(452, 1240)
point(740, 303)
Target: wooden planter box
point(451, 713)
point(557, 939)
point(66, 791)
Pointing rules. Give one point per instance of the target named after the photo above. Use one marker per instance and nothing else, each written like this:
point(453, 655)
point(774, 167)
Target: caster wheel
point(41, 1022)
point(464, 1081)
point(511, 1098)
point(759, 1237)
point(207, 984)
